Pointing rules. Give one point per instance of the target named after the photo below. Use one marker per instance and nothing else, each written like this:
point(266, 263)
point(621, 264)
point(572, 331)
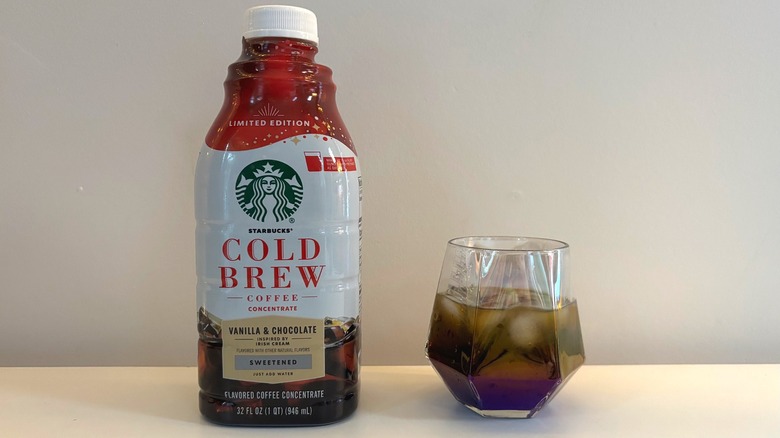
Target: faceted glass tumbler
point(505, 331)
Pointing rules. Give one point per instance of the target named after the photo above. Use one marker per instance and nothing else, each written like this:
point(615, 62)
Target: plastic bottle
point(278, 194)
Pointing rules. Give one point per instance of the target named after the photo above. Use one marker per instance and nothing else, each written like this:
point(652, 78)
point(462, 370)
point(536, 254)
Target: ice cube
point(530, 328)
point(488, 321)
point(339, 330)
point(487, 329)
point(209, 326)
point(449, 312)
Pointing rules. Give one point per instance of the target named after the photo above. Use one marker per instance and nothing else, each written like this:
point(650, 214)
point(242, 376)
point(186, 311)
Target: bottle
point(278, 199)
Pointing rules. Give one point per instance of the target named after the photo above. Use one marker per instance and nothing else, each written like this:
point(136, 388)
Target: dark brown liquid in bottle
point(308, 402)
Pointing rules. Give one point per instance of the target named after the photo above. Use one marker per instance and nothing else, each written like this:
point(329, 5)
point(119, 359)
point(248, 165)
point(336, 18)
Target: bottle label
point(278, 251)
point(273, 349)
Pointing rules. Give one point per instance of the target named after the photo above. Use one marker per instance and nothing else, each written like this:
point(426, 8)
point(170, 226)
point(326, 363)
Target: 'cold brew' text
point(274, 272)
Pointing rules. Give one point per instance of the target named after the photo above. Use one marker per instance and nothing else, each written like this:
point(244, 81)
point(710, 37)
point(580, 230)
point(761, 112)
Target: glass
point(505, 332)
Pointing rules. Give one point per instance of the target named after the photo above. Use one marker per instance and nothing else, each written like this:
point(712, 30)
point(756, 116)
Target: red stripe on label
point(339, 164)
point(349, 164)
point(313, 161)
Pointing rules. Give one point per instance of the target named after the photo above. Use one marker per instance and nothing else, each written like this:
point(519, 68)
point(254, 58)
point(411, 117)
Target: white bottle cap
point(281, 21)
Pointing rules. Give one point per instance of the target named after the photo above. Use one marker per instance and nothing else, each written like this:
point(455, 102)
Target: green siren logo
point(269, 190)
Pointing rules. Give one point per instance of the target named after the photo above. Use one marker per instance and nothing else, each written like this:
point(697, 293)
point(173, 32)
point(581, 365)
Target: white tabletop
point(405, 401)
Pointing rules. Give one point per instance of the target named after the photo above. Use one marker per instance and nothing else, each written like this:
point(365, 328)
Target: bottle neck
point(276, 77)
point(278, 48)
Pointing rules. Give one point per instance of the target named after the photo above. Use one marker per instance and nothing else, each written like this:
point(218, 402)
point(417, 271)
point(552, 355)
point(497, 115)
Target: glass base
point(503, 413)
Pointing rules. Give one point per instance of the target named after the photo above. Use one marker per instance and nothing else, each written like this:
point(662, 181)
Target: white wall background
point(644, 133)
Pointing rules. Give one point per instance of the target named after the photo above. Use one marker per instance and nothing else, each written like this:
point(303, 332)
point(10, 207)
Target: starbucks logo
point(269, 190)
